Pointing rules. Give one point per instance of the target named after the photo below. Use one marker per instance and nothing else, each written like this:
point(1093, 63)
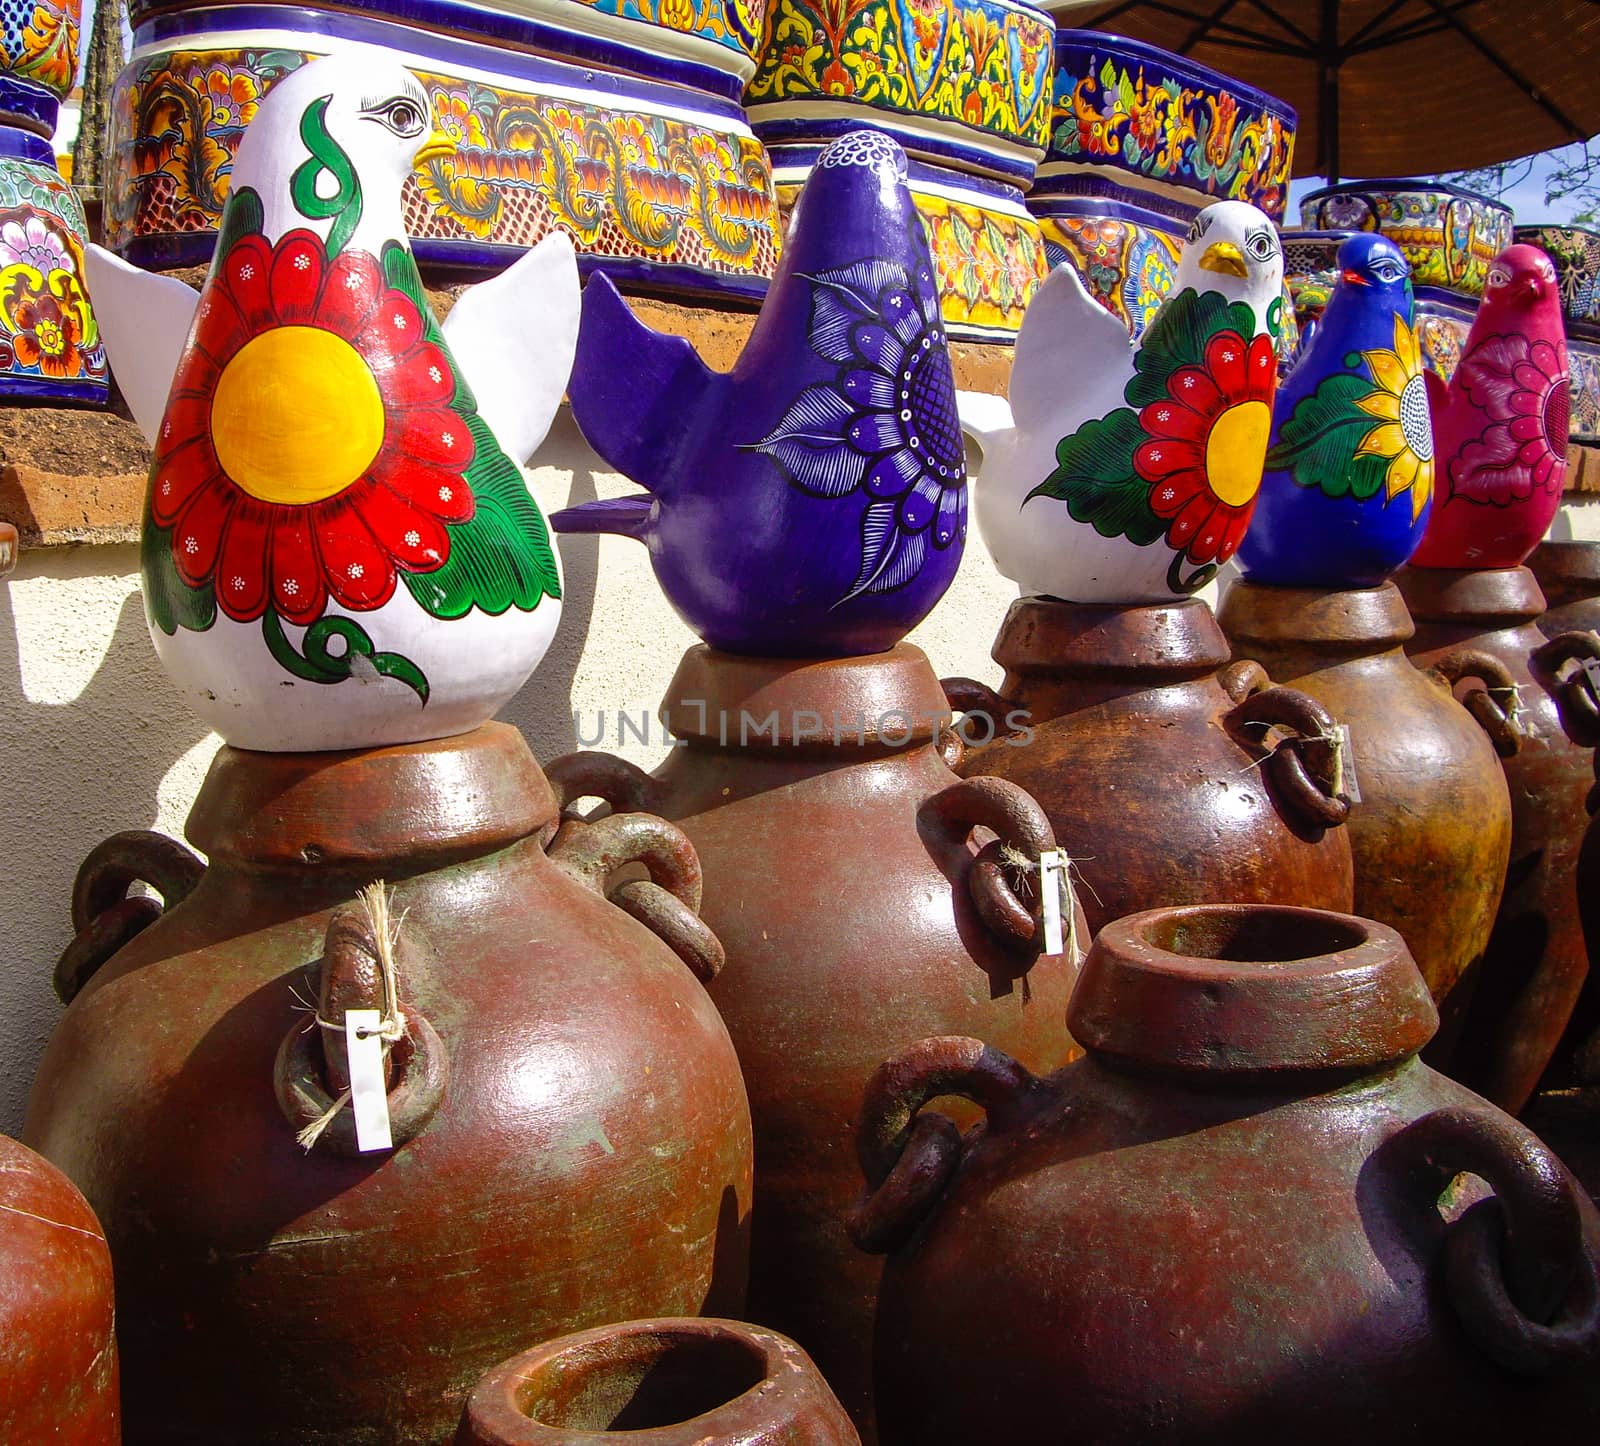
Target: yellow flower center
point(297, 415)
point(1235, 450)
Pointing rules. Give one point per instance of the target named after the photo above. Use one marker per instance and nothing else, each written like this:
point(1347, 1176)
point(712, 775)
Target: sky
point(1526, 199)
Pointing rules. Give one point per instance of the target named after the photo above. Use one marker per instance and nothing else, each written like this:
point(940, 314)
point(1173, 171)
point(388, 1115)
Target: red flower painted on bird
point(1522, 387)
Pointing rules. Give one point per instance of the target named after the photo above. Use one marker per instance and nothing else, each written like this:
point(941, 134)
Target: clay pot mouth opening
point(646, 1380)
point(1252, 936)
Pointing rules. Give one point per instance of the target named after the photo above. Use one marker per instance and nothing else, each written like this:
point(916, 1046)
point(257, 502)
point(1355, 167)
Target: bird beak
point(1355, 278)
point(439, 147)
point(1224, 257)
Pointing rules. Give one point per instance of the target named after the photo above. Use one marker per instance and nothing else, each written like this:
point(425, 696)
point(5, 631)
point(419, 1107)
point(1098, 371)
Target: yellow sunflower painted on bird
point(1404, 434)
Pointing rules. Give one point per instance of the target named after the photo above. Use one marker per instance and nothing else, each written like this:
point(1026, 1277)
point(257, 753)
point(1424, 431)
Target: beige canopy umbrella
point(1391, 87)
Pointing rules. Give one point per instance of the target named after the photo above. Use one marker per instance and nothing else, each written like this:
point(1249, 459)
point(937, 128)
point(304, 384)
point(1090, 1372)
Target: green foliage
point(318, 663)
point(502, 556)
point(241, 217)
point(169, 601)
point(1317, 442)
point(1094, 476)
point(344, 205)
point(1178, 336)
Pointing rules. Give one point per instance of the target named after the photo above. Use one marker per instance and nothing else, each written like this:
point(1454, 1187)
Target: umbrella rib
point(1482, 47)
point(1283, 21)
point(1257, 39)
point(1200, 31)
point(1416, 29)
point(1354, 43)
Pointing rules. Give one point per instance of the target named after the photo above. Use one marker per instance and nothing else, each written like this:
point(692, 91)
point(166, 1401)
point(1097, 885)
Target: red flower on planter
point(1522, 387)
point(311, 447)
point(47, 334)
point(1206, 442)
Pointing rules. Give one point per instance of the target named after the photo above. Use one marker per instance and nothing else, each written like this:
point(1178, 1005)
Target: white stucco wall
point(95, 740)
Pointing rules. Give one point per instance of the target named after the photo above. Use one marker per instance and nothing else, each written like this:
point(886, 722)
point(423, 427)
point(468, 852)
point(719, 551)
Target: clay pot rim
point(1356, 620)
point(1500, 596)
point(495, 1410)
point(1045, 635)
point(1353, 1003)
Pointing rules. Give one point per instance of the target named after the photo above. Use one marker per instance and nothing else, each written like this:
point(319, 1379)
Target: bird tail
point(624, 516)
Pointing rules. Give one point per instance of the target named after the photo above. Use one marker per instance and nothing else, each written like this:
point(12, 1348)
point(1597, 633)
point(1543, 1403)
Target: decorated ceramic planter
point(340, 548)
point(50, 344)
point(813, 501)
point(1583, 362)
point(707, 45)
point(38, 61)
point(1126, 255)
point(1575, 253)
point(1349, 471)
point(988, 255)
point(1443, 323)
point(1129, 119)
point(1127, 473)
point(1449, 235)
point(1500, 427)
point(960, 82)
point(661, 185)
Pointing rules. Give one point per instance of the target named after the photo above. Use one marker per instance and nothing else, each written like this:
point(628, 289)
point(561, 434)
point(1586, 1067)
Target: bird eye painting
point(337, 520)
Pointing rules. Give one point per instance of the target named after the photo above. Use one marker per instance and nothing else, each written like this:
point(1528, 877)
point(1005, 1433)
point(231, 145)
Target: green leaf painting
point(1317, 442)
point(1094, 476)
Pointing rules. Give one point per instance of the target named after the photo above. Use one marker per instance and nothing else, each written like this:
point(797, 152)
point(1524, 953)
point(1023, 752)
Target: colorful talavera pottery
point(1575, 253)
point(1449, 235)
point(988, 255)
point(1140, 119)
point(1500, 429)
point(661, 185)
point(963, 82)
point(1583, 360)
point(1129, 475)
point(812, 502)
point(1349, 472)
point(50, 347)
point(340, 549)
point(1126, 256)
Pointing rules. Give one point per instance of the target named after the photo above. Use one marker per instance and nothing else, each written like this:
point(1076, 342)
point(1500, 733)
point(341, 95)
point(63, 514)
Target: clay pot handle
point(668, 903)
point(908, 1157)
point(1304, 766)
point(1495, 704)
point(1023, 834)
point(1518, 1271)
point(972, 699)
point(103, 915)
point(592, 774)
point(1575, 694)
point(1244, 678)
point(311, 1069)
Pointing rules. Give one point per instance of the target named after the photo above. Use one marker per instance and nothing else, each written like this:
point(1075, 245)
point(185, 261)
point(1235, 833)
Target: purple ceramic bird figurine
point(812, 502)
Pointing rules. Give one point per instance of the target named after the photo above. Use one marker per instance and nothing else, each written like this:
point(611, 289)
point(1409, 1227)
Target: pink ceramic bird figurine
point(1500, 427)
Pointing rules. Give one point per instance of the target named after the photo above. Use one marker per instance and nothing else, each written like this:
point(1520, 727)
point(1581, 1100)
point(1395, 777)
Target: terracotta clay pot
point(1568, 574)
point(1535, 962)
point(658, 1383)
point(1432, 833)
point(1155, 761)
point(1233, 1222)
point(859, 910)
point(58, 1350)
point(571, 1138)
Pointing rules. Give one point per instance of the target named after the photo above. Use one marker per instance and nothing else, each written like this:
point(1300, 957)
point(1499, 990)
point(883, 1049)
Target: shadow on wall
point(543, 709)
point(91, 730)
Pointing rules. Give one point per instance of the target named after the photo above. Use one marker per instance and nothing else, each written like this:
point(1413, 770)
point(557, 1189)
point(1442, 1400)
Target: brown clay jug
point(658, 1383)
point(58, 1349)
point(570, 1135)
point(859, 910)
point(1169, 775)
point(1432, 833)
point(1568, 573)
point(1535, 963)
point(1232, 1222)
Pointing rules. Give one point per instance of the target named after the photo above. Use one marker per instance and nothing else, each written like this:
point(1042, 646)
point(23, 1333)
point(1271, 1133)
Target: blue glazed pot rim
point(1049, 208)
point(1105, 41)
point(1402, 183)
point(1297, 233)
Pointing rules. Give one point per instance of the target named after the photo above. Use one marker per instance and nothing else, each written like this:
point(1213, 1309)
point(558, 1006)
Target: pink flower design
point(33, 243)
point(1521, 387)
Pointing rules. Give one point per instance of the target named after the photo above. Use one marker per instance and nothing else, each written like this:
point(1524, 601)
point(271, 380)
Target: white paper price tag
point(1347, 764)
point(369, 1093)
point(1052, 867)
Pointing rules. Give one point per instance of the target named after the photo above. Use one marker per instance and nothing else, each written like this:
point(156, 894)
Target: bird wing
point(513, 339)
point(1068, 341)
point(145, 320)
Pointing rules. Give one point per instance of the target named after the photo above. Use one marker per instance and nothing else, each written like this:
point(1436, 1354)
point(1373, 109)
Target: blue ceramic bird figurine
point(1349, 478)
point(813, 501)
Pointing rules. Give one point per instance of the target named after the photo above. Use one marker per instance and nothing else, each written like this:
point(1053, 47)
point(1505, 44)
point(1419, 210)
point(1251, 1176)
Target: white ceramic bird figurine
point(340, 548)
point(1127, 473)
